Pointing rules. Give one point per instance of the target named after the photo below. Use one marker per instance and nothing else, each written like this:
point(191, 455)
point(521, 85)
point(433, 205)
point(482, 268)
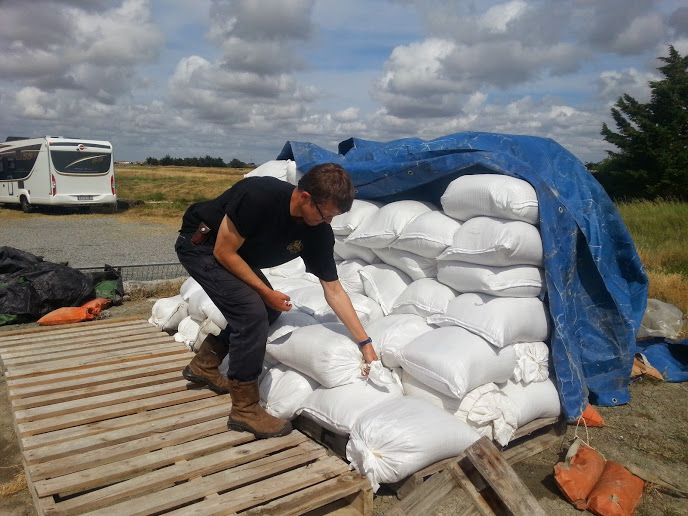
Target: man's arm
point(339, 301)
point(227, 244)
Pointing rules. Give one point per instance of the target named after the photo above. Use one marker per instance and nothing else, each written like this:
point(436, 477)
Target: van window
point(18, 163)
point(74, 162)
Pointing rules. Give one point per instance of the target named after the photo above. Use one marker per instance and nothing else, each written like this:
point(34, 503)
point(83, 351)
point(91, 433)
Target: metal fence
point(145, 271)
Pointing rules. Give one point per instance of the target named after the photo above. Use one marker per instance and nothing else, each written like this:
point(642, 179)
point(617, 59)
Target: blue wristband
point(365, 342)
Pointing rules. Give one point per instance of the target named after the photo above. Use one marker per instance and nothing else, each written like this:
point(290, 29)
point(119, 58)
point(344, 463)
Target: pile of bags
point(451, 297)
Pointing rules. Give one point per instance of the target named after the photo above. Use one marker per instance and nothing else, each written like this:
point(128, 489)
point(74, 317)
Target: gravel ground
point(89, 240)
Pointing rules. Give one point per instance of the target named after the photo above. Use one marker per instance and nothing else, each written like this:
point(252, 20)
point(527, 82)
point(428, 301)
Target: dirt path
point(650, 432)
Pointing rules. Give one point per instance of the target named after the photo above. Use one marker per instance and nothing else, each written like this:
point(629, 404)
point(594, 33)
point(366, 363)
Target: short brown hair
point(329, 182)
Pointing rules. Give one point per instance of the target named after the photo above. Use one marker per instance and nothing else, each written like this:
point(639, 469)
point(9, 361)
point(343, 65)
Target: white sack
point(348, 272)
point(416, 389)
point(360, 210)
point(493, 195)
point(337, 409)
point(387, 224)
point(189, 286)
point(188, 333)
point(383, 284)
point(291, 269)
point(424, 297)
point(499, 320)
point(283, 391)
point(311, 300)
point(348, 251)
point(168, 312)
point(275, 168)
point(288, 285)
point(489, 241)
point(414, 265)
point(325, 352)
point(526, 403)
point(201, 307)
point(293, 174)
point(427, 235)
point(532, 362)
point(455, 361)
point(391, 333)
point(287, 322)
point(397, 437)
point(510, 281)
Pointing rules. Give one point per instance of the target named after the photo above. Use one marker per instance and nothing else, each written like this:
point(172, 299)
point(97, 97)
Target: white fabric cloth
point(532, 362)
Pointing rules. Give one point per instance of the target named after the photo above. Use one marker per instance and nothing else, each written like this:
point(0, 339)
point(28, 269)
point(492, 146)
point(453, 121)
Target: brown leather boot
point(203, 368)
point(248, 416)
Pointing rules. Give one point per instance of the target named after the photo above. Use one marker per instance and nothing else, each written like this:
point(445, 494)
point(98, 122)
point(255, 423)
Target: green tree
point(651, 138)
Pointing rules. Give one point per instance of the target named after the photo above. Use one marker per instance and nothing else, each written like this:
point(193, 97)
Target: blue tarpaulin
point(596, 284)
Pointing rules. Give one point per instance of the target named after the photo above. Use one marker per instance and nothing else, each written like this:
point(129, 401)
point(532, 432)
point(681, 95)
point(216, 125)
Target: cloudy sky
point(238, 78)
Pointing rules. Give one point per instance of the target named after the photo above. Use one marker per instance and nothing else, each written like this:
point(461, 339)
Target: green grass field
point(660, 229)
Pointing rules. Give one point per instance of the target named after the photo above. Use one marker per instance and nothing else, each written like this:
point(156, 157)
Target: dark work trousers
point(248, 317)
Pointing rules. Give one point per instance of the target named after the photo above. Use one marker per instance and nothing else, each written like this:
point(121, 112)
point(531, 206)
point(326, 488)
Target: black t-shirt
point(259, 209)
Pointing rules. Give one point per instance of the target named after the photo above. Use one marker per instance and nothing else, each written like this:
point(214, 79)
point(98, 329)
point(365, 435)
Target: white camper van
point(56, 171)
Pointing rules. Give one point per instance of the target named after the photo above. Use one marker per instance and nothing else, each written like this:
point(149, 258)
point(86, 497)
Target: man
point(223, 243)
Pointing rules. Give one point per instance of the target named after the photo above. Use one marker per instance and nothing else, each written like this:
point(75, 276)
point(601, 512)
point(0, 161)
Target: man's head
point(326, 191)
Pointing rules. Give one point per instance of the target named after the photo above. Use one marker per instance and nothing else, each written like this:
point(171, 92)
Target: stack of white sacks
point(451, 299)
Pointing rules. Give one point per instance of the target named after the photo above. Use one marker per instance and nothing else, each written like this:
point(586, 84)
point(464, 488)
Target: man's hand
point(369, 354)
point(277, 300)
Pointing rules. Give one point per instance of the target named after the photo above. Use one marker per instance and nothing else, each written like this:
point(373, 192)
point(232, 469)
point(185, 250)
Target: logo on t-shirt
point(295, 247)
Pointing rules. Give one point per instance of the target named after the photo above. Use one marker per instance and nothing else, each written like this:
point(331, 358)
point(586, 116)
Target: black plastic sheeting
point(31, 287)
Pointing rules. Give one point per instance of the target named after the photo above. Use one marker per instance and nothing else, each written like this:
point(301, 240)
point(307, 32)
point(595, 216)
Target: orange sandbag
point(577, 475)
point(616, 493)
point(591, 417)
point(98, 304)
point(66, 315)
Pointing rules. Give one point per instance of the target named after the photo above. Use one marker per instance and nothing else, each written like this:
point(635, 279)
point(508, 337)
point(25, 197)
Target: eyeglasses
point(319, 210)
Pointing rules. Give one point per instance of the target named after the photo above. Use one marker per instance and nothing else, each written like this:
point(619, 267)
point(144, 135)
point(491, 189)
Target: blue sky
point(237, 79)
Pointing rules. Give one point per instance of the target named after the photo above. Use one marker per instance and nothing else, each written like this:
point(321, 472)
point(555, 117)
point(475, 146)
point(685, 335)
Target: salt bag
point(499, 320)
point(427, 235)
point(287, 322)
point(414, 265)
point(339, 408)
point(497, 242)
point(349, 277)
point(493, 195)
point(395, 438)
point(347, 222)
point(527, 403)
point(453, 361)
point(284, 390)
point(383, 284)
point(509, 281)
point(324, 352)
point(350, 251)
point(389, 221)
point(423, 297)
point(392, 332)
point(311, 300)
point(189, 286)
point(168, 312)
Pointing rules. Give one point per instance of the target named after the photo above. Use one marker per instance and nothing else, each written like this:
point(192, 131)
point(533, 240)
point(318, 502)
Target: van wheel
point(25, 204)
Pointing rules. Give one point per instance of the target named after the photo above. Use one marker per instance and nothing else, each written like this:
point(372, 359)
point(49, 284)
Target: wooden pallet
point(107, 425)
